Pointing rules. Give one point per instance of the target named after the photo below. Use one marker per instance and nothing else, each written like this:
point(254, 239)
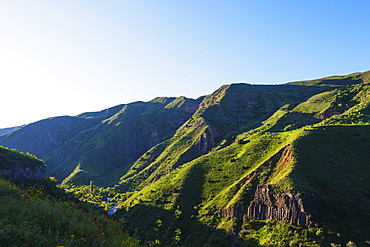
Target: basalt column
point(289, 207)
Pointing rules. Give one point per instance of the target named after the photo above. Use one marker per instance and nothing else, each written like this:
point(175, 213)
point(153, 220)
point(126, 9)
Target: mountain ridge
point(227, 160)
point(222, 111)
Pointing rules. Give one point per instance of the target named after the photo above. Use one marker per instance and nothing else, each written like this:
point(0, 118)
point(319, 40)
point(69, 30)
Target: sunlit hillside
point(248, 165)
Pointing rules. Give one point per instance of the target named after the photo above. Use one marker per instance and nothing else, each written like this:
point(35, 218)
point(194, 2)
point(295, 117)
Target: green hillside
point(33, 216)
point(101, 142)
point(316, 145)
point(12, 157)
point(248, 165)
point(7, 130)
point(229, 110)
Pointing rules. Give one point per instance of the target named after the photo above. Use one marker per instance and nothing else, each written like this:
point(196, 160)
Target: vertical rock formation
point(207, 140)
point(20, 171)
point(289, 207)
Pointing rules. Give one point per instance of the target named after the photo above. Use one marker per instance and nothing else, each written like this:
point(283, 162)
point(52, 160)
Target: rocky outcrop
point(328, 114)
point(237, 212)
point(19, 172)
point(189, 106)
point(214, 97)
point(204, 143)
point(289, 207)
point(207, 140)
point(279, 161)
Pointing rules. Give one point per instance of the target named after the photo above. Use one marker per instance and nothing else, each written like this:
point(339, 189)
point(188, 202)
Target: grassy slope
point(223, 114)
point(227, 176)
point(7, 130)
point(41, 137)
point(12, 157)
point(333, 161)
point(320, 125)
point(35, 212)
point(118, 141)
point(103, 142)
point(31, 217)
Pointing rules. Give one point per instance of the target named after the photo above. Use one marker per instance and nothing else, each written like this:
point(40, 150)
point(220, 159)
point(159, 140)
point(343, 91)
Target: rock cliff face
point(280, 161)
point(328, 114)
point(19, 172)
point(207, 140)
point(289, 207)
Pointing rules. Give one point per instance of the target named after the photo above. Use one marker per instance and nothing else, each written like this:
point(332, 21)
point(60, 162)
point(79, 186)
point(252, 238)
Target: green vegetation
point(32, 217)
point(333, 160)
point(185, 172)
point(272, 233)
point(12, 157)
point(226, 177)
point(103, 142)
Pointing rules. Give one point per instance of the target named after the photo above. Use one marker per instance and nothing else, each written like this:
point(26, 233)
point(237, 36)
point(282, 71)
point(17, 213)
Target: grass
point(30, 217)
point(12, 157)
point(218, 178)
point(226, 177)
point(350, 79)
point(333, 161)
point(174, 152)
point(285, 136)
point(272, 233)
point(179, 101)
point(316, 104)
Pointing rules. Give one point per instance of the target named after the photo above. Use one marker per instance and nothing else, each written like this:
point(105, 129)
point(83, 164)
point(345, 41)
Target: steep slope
point(115, 143)
point(221, 115)
point(247, 165)
point(101, 143)
point(43, 136)
point(34, 212)
point(305, 165)
point(7, 130)
point(18, 166)
point(333, 192)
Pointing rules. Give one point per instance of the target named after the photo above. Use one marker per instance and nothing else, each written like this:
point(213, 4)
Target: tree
point(91, 187)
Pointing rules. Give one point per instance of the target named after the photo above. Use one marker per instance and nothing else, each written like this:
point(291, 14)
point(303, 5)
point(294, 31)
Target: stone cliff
point(289, 207)
point(20, 171)
point(208, 139)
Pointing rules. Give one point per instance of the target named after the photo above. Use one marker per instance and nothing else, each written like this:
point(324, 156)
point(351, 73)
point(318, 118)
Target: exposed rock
point(154, 139)
point(328, 114)
point(19, 172)
point(214, 97)
point(289, 207)
point(237, 212)
point(189, 106)
point(204, 143)
point(279, 161)
point(207, 140)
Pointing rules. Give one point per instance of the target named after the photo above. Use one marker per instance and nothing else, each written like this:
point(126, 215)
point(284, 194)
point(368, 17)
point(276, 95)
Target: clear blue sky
point(68, 57)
